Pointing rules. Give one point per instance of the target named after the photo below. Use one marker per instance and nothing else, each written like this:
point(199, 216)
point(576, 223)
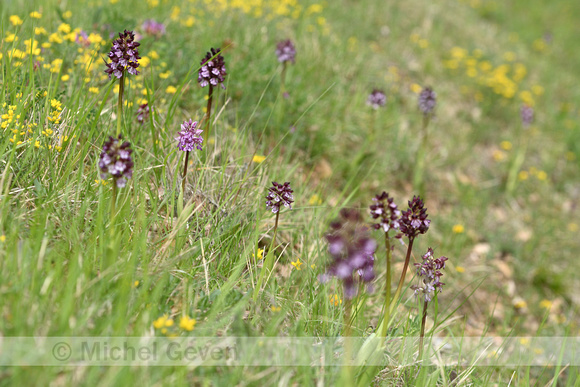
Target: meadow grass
point(69, 268)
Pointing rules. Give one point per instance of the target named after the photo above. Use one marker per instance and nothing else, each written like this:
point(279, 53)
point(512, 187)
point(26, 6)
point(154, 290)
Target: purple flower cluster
point(153, 28)
point(286, 51)
point(352, 250)
point(123, 55)
point(414, 220)
point(278, 195)
point(527, 115)
point(213, 69)
point(115, 161)
point(427, 100)
point(82, 39)
point(189, 137)
point(377, 99)
point(430, 273)
point(143, 113)
point(385, 210)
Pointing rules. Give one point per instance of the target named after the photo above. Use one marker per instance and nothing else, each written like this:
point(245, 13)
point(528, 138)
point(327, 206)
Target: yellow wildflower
point(509, 56)
point(35, 15)
point(314, 8)
point(10, 38)
point(144, 61)
point(314, 200)
point(163, 321)
point(297, 264)
point(460, 269)
point(539, 45)
point(524, 341)
point(542, 175)
point(258, 159)
point(506, 145)
point(15, 20)
point(260, 254)
point(187, 323)
point(64, 28)
point(498, 155)
point(458, 52)
point(171, 90)
point(335, 300)
point(537, 90)
point(458, 229)
point(546, 304)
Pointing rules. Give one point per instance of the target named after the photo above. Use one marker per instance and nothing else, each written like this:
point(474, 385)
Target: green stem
point(283, 79)
point(120, 103)
point(113, 206)
point(268, 260)
point(402, 280)
point(347, 376)
point(184, 173)
point(425, 304)
point(387, 315)
point(110, 252)
point(273, 245)
point(208, 115)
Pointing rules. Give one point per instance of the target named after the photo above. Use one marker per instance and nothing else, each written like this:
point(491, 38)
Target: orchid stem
point(184, 173)
point(208, 114)
point(425, 304)
point(120, 103)
point(402, 280)
point(387, 315)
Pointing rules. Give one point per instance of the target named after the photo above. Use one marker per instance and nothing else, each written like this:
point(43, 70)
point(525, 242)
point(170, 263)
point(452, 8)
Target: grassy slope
point(51, 281)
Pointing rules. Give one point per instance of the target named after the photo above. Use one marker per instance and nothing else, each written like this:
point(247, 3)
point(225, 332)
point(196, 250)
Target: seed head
point(352, 250)
point(189, 137)
point(213, 69)
point(377, 99)
point(278, 195)
point(429, 272)
point(414, 220)
point(427, 100)
point(115, 161)
point(123, 55)
point(286, 51)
